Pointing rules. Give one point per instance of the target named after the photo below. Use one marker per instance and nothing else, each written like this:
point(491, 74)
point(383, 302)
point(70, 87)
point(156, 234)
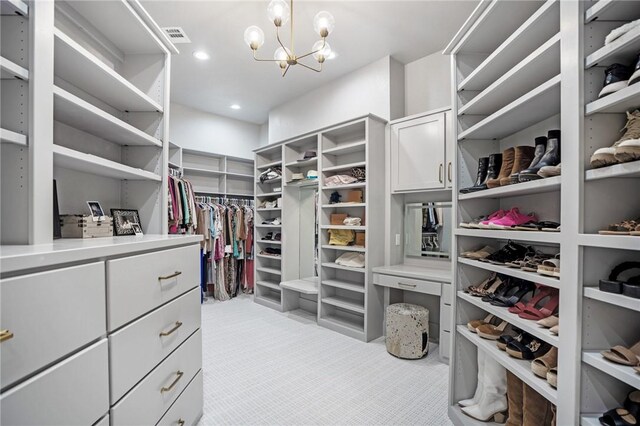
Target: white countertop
point(417, 272)
point(16, 258)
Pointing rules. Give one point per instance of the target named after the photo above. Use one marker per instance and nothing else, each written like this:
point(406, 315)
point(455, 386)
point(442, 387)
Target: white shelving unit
point(215, 174)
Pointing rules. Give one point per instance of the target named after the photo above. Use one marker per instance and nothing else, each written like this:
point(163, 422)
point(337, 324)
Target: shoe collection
point(626, 227)
point(624, 356)
point(619, 76)
point(511, 220)
point(270, 204)
point(628, 414)
point(625, 149)
point(615, 284)
point(271, 251)
point(519, 164)
point(514, 255)
point(275, 221)
point(271, 237)
point(270, 174)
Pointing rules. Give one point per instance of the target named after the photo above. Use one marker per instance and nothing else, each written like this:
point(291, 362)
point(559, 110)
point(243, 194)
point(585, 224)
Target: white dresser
point(103, 331)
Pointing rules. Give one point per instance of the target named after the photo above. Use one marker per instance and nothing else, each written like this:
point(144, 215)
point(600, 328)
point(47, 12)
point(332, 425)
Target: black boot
point(551, 157)
point(483, 165)
point(493, 171)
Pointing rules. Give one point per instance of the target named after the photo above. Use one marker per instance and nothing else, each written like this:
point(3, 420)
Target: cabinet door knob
point(5, 335)
point(170, 332)
point(168, 277)
point(449, 167)
point(179, 375)
point(440, 173)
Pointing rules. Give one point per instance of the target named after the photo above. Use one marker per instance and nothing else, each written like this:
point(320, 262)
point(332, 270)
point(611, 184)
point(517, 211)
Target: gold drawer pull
point(167, 333)
point(407, 285)
point(179, 375)
point(181, 422)
point(5, 335)
point(168, 277)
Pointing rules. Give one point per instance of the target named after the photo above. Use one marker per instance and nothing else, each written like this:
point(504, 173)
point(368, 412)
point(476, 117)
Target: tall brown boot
point(505, 169)
point(522, 159)
point(537, 410)
point(515, 389)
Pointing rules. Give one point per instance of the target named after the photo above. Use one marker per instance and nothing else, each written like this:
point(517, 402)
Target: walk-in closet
point(285, 212)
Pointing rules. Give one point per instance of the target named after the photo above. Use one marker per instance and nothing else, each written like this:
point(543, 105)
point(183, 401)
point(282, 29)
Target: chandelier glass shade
point(280, 12)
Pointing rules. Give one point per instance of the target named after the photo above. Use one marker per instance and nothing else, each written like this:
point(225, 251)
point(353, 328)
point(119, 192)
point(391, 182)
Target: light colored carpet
point(262, 367)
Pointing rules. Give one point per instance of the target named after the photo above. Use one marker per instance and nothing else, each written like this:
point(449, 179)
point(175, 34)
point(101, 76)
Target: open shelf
point(14, 7)
point(271, 271)
point(344, 166)
point(359, 249)
point(266, 182)
point(499, 234)
point(590, 420)
point(344, 303)
point(78, 66)
point(269, 284)
point(619, 300)
point(346, 148)
point(503, 313)
point(618, 102)
point(343, 205)
point(345, 285)
point(612, 10)
point(533, 107)
point(269, 299)
point(269, 256)
point(87, 163)
point(269, 242)
point(348, 186)
point(621, 242)
point(542, 64)
point(11, 70)
point(622, 50)
point(9, 136)
point(624, 170)
point(623, 373)
point(345, 322)
point(303, 163)
point(531, 34)
point(75, 112)
point(267, 226)
point(199, 171)
point(268, 210)
point(512, 272)
point(352, 228)
point(271, 164)
point(269, 194)
point(301, 286)
point(520, 368)
point(526, 188)
point(334, 265)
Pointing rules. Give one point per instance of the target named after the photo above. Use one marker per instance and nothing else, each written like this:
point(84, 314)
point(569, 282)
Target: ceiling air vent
point(176, 35)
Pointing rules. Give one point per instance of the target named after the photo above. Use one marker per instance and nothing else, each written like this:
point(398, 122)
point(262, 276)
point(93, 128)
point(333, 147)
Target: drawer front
point(72, 392)
point(445, 341)
point(50, 314)
point(188, 407)
point(151, 398)
point(447, 294)
point(138, 284)
point(445, 317)
point(420, 286)
point(137, 348)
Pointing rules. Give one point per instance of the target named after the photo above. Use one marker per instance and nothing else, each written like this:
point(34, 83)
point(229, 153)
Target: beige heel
point(500, 417)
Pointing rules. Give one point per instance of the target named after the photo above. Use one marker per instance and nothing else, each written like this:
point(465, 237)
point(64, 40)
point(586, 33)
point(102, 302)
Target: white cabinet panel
point(138, 284)
point(137, 348)
point(188, 407)
point(450, 144)
point(49, 314)
point(418, 154)
point(72, 392)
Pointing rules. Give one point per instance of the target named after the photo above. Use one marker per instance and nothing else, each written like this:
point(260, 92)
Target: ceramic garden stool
point(407, 331)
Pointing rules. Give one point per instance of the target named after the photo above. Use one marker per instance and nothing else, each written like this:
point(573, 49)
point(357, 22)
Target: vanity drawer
point(447, 294)
point(188, 407)
point(72, 392)
point(138, 284)
point(420, 286)
point(50, 314)
point(137, 348)
point(151, 398)
point(445, 317)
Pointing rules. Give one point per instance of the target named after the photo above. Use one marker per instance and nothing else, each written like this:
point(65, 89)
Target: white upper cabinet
point(418, 149)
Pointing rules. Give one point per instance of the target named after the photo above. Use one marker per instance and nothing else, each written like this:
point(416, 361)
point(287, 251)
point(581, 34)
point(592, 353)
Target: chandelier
point(279, 12)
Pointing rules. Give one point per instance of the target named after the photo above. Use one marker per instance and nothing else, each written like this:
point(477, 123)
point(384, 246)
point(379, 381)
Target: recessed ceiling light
point(235, 106)
point(201, 54)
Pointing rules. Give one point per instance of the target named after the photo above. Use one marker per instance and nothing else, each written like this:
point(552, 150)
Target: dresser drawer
point(188, 407)
point(50, 314)
point(445, 317)
point(72, 392)
point(138, 284)
point(447, 294)
point(137, 348)
point(420, 286)
point(150, 399)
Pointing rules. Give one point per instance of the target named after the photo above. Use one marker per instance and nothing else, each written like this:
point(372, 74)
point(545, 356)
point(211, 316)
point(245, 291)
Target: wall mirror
point(308, 232)
point(427, 229)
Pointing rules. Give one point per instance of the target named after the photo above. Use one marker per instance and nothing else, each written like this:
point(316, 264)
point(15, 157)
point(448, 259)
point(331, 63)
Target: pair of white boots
point(490, 399)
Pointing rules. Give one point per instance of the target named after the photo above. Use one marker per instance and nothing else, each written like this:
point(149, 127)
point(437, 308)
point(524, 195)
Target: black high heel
point(508, 300)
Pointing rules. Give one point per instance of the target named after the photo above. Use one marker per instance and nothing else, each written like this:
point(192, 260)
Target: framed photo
point(137, 229)
point(123, 221)
point(96, 210)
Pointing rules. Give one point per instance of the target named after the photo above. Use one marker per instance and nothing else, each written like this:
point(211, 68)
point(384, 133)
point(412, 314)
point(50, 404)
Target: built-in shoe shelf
point(344, 268)
point(513, 272)
point(9, 136)
point(623, 170)
point(516, 190)
point(269, 284)
point(620, 242)
point(14, 7)
point(624, 373)
point(358, 249)
point(615, 299)
point(623, 50)
point(10, 70)
point(345, 285)
point(344, 303)
point(619, 102)
point(612, 10)
point(530, 236)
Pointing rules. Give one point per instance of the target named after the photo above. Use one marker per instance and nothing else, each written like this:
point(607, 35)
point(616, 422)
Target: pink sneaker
point(493, 216)
point(512, 218)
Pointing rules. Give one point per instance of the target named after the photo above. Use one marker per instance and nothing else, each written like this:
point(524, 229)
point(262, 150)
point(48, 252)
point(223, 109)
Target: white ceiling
point(365, 31)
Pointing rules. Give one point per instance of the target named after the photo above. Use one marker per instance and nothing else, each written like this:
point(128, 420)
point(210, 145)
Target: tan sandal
point(623, 228)
point(552, 377)
point(555, 330)
point(479, 254)
point(474, 324)
point(550, 267)
point(490, 331)
point(549, 322)
point(542, 365)
point(625, 356)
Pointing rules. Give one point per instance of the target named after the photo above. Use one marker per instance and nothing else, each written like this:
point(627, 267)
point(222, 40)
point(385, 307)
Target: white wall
point(427, 84)
point(195, 129)
point(364, 91)
point(264, 134)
